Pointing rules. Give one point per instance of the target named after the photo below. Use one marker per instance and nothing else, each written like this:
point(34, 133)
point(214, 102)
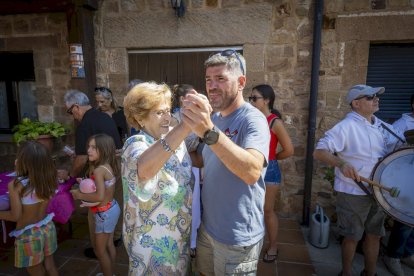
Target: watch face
point(211, 137)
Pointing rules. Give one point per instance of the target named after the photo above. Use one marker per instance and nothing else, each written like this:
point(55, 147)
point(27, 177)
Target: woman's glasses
point(254, 98)
point(231, 52)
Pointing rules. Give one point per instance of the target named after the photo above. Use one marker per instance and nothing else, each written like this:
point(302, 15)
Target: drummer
point(400, 248)
point(353, 146)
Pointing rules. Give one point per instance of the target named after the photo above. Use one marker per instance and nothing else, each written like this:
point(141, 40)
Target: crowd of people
point(141, 158)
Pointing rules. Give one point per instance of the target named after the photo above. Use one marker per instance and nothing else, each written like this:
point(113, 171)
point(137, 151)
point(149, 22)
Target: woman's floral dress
point(157, 212)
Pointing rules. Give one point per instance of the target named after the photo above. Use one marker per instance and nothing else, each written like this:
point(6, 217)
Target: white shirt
point(359, 143)
point(406, 122)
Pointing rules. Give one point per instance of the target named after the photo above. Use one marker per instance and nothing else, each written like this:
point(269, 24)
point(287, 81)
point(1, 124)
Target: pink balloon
point(87, 186)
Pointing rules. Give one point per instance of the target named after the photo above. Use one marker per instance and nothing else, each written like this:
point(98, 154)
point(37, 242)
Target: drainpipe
point(317, 31)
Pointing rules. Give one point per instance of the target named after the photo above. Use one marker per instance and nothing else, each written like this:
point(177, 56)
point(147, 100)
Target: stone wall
point(45, 35)
point(276, 36)
point(267, 30)
point(277, 43)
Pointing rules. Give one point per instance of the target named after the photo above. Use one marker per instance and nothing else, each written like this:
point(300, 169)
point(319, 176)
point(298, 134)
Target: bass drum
point(396, 170)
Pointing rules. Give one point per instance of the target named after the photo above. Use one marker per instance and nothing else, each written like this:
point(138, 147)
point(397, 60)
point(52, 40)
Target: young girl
point(103, 169)
point(263, 98)
point(34, 185)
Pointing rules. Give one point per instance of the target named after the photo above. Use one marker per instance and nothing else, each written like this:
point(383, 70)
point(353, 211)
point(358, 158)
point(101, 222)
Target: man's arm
point(328, 158)
point(78, 164)
point(247, 164)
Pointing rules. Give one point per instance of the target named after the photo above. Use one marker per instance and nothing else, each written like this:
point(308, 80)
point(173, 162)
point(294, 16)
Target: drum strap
point(362, 186)
point(392, 133)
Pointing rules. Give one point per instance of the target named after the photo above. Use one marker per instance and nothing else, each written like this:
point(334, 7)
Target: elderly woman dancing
point(157, 179)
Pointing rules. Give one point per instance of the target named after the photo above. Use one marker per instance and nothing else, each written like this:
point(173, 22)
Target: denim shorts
point(273, 175)
point(105, 222)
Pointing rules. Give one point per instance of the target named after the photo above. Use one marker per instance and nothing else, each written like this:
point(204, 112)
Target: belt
point(96, 209)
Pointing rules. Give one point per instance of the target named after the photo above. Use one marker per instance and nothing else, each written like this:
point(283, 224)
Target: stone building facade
point(44, 35)
point(277, 40)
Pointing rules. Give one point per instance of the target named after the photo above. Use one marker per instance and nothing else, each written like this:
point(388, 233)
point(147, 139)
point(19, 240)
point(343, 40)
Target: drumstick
point(394, 191)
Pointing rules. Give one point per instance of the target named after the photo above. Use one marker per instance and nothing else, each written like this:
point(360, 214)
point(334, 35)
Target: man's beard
point(227, 98)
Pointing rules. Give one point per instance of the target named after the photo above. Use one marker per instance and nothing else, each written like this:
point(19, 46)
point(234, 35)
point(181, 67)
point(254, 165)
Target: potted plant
point(44, 132)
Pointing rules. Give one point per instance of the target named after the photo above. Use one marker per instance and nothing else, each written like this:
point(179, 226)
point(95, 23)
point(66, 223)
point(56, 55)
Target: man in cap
point(353, 146)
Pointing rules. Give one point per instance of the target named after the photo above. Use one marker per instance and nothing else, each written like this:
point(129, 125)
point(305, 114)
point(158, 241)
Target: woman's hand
point(197, 111)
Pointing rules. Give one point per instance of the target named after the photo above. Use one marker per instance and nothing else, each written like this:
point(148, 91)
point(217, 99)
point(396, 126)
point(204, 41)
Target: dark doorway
point(17, 98)
point(175, 66)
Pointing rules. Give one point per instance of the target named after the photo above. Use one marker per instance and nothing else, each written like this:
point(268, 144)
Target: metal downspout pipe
point(316, 50)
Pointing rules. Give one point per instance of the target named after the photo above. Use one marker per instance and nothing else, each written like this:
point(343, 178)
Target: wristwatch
point(211, 136)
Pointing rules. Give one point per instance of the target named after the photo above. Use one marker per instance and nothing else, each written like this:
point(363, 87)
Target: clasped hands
point(196, 111)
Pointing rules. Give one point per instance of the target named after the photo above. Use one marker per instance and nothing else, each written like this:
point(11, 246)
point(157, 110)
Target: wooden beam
point(81, 30)
point(30, 6)
point(43, 6)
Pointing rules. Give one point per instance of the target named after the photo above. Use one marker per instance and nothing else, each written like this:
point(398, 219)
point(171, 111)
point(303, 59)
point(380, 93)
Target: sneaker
point(393, 265)
point(408, 261)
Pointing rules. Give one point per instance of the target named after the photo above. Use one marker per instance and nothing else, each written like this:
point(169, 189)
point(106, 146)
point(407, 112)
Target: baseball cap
point(360, 90)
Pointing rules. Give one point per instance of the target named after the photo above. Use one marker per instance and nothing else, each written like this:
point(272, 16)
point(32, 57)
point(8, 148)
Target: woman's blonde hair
point(142, 98)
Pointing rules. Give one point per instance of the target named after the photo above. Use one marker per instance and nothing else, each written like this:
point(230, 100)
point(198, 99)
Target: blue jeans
point(401, 242)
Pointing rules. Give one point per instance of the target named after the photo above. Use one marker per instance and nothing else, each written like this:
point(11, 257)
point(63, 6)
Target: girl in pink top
point(263, 98)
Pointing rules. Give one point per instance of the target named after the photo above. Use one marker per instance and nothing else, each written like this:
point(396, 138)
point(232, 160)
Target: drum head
point(397, 170)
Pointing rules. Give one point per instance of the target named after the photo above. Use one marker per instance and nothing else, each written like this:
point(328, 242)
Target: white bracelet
point(165, 146)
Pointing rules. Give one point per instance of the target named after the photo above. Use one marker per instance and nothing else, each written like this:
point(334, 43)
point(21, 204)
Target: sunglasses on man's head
point(231, 52)
point(103, 89)
point(70, 109)
point(254, 98)
point(368, 97)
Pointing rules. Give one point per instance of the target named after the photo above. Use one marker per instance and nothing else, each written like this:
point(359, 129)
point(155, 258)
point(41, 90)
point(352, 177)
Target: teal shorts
point(34, 244)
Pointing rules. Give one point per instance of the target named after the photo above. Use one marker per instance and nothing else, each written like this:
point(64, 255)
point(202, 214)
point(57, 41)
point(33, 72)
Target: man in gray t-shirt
point(234, 158)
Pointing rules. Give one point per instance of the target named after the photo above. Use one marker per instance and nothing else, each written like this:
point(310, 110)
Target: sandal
point(270, 258)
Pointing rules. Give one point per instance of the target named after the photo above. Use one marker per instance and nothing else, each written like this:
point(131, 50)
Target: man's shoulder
point(345, 125)
point(405, 118)
point(96, 114)
point(348, 120)
point(251, 113)
point(94, 117)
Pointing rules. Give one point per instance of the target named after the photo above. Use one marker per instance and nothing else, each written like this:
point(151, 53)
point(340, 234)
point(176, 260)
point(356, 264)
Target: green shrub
point(31, 130)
